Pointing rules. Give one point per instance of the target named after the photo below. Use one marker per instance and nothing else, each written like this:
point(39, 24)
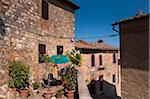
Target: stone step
point(82, 87)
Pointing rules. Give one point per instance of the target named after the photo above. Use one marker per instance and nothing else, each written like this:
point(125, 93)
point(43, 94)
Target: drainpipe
point(115, 29)
point(92, 51)
point(120, 48)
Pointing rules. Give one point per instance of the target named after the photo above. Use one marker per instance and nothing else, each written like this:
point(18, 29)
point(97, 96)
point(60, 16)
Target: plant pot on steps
point(70, 94)
point(35, 92)
point(47, 93)
point(24, 93)
point(12, 90)
point(12, 93)
point(59, 96)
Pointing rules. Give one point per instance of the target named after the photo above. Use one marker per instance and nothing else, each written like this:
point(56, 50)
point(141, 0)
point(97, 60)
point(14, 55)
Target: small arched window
point(113, 78)
point(93, 60)
point(100, 60)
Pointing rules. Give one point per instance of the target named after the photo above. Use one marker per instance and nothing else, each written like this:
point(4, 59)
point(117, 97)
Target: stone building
point(134, 51)
point(30, 28)
point(100, 68)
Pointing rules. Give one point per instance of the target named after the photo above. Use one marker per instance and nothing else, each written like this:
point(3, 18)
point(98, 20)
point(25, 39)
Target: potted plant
point(11, 73)
point(11, 85)
point(60, 93)
point(47, 91)
point(70, 80)
point(35, 86)
point(20, 76)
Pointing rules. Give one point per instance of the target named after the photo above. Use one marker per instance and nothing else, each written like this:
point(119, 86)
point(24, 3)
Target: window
point(101, 83)
point(114, 78)
point(59, 50)
point(44, 9)
point(42, 51)
point(119, 62)
point(93, 60)
point(114, 58)
point(100, 59)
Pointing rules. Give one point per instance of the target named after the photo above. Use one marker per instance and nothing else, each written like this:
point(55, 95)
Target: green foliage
point(19, 75)
point(35, 85)
point(70, 78)
point(44, 58)
point(74, 56)
point(11, 83)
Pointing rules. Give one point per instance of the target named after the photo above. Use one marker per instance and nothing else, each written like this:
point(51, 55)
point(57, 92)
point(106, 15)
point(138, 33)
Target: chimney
point(100, 41)
point(139, 13)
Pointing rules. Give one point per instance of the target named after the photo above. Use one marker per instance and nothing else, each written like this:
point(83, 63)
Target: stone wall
point(135, 58)
point(107, 69)
point(22, 28)
point(135, 43)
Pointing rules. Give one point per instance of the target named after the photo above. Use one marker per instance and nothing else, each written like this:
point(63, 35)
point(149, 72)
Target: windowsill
point(45, 19)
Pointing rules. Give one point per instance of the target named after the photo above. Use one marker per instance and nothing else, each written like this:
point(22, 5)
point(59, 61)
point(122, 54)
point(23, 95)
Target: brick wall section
point(135, 58)
point(24, 25)
point(110, 68)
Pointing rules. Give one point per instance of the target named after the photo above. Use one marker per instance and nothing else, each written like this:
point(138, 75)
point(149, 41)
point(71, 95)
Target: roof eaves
point(96, 46)
point(73, 4)
point(130, 19)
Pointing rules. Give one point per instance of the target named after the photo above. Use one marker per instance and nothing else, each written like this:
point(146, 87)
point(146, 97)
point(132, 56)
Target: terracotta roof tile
point(101, 46)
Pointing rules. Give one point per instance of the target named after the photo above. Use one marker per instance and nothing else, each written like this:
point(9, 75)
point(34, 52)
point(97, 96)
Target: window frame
point(92, 60)
point(100, 60)
point(40, 52)
point(60, 46)
point(114, 58)
point(101, 81)
point(113, 78)
point(45, 9)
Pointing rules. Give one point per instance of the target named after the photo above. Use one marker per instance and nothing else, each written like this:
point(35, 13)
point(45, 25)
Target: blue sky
point(94, 18)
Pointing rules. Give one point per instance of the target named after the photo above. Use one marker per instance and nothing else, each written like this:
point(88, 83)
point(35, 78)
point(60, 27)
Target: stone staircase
point(82, 87)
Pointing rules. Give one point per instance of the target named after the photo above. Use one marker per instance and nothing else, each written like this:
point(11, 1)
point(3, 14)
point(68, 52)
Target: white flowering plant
point(74, 56)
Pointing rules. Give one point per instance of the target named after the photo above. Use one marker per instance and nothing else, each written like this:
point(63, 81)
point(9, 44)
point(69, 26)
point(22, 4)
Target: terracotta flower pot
point(12, 89)
point(35, 92)
point(59, 96)
point(70, 94)
point(47, 93)
point(24, 93)
point(12, 93)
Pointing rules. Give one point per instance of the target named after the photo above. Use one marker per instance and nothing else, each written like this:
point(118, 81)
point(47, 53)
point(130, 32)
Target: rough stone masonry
point(22, 29)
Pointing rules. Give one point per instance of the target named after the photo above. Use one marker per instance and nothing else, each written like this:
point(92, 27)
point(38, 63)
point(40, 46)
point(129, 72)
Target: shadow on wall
point(2, 28)
point(102, 90)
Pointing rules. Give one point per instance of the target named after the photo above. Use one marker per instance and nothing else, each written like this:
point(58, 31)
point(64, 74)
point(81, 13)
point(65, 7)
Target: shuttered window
point(44, 9)
point(93, 60)
point(100, 59)
point(42, 51)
